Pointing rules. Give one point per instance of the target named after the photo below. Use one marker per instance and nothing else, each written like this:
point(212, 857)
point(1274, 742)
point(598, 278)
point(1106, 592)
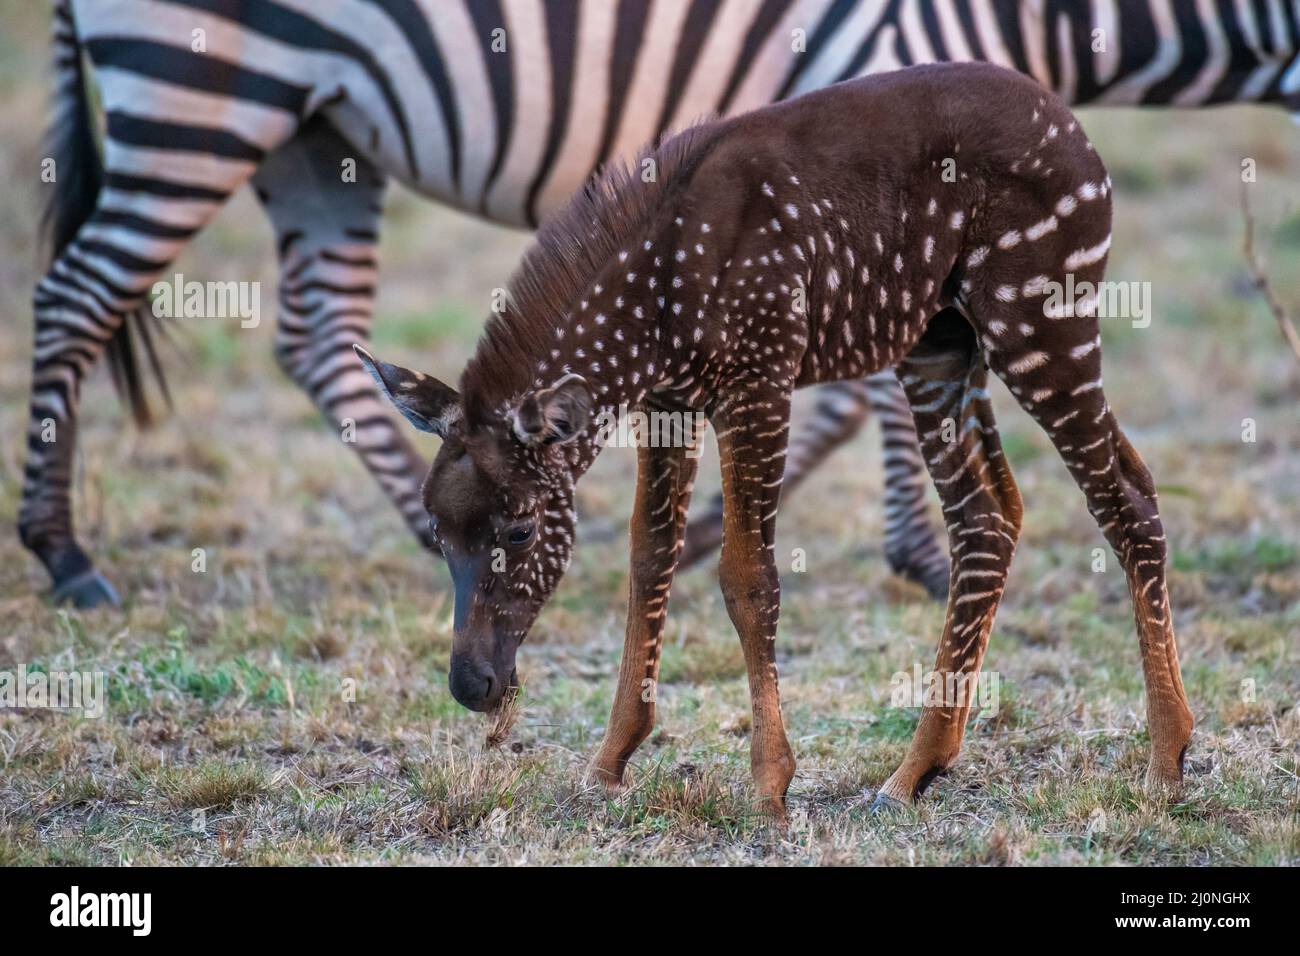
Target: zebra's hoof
point(86, 590)
point(885, 804)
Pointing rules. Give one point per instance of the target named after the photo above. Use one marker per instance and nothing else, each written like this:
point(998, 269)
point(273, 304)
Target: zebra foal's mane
point(570, 249)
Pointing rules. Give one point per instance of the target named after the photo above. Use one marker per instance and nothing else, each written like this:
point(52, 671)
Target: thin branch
point(1260, 278)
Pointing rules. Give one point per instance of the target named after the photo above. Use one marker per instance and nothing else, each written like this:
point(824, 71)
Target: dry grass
point(294, 695)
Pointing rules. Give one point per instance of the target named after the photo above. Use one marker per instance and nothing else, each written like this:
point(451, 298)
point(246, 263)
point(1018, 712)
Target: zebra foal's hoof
point(86, 590)
point(885, 804)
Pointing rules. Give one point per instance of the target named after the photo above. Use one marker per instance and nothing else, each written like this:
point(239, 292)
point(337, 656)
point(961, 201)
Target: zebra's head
point(500, 503)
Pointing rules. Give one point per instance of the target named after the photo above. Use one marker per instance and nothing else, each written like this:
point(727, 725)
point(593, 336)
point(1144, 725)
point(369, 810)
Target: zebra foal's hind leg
point(1059, 384)
point(1049, 355)
point(1062, 390)
point(945, 378)
point(327, 234)
point(1047, 348)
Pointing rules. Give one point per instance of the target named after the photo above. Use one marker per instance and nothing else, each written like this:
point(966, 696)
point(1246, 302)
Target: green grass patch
point(1239, 555)
point(211, 785)
point(427, 330)
point(172, 671)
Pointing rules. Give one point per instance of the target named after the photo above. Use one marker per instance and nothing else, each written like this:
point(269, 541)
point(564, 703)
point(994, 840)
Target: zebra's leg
point(944, 378)
point(752, 432)
point(840, 410)
point(325, 202)
point(1047, 349)
point(664, 480)
point(1061, 388)
point(151, 204)
point(912, 545)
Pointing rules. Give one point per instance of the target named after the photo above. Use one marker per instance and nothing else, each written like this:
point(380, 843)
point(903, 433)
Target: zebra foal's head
point(500, 503)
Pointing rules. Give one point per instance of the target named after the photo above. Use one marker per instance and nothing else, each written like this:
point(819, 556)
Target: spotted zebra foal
point(920, 219)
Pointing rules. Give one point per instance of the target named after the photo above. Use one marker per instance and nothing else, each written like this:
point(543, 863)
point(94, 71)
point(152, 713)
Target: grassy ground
point(289, 704)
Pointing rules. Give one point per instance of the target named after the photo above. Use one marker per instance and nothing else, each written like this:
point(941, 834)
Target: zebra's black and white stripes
point(502, 107)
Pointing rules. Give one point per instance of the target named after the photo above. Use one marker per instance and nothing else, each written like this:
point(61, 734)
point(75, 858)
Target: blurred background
point(226, 682)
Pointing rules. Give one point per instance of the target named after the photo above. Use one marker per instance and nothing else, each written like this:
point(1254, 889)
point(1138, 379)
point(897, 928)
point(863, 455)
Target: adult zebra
point(502, 107)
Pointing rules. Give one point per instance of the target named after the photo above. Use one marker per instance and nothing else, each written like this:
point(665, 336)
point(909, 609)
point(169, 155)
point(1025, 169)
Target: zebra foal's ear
point(553, 415)
point(427, 403)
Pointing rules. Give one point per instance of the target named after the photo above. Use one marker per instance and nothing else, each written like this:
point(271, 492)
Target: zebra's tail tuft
point(80, 177)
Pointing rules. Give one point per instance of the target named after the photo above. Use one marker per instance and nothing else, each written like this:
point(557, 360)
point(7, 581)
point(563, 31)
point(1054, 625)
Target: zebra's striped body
point(502, 107)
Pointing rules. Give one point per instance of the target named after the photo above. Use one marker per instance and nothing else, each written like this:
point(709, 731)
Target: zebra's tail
point(79, 174)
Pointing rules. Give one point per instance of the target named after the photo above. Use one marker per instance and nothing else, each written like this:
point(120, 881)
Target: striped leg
point(163, 180)
point(945, 378)
point(665, 477)
point(1064, 395)
point(752, 435)
point(911, 545)
point(1057, 379)
point(1121, 498)
point(1048, 351)
point(327, 226)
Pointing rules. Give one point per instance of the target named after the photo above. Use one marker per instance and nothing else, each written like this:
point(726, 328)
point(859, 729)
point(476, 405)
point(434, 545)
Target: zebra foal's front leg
point(841, 408)
point(753, 428)
point(665, 477)
point(840, 411)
